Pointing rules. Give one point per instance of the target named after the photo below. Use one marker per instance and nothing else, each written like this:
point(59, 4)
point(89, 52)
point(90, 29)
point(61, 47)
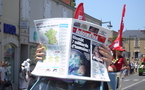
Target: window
point(0, 7)
point(9, 59)
point(25, 9)
point(136, 54)
point(136, 42)
point(64, 12)
point(47, 9)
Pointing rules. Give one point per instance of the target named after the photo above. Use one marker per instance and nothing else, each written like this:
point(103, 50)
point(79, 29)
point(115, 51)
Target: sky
point(111, 10)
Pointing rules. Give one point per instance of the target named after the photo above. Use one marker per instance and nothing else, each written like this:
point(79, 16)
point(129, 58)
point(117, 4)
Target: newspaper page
point(71, 49)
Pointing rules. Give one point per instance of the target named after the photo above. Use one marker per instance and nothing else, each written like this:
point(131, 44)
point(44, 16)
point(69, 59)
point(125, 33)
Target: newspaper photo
point(71, 49)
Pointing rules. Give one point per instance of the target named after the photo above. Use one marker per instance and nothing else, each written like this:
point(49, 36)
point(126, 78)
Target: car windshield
point(45, 83)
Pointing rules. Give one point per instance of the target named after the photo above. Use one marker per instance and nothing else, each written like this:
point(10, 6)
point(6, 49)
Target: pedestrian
point(24, 76)
point(124, 73)
point(132, 67)
point(7, 83)
point(143, 59)
point(28, 67)
point(136, 67)
point(103, 50)
point(2, 75)
point(119, 62)
point(21, 78)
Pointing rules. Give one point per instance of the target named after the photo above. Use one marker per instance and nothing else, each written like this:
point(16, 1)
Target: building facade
point(112, 34)
point(44, 9)
point(10, 37)
point(18, 39)
point(134, 44)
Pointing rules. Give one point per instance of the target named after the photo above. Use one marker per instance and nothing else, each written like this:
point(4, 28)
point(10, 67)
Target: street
point(133, 82)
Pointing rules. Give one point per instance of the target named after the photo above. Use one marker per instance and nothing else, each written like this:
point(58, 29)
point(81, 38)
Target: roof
point(137, 33)
point(143, 31)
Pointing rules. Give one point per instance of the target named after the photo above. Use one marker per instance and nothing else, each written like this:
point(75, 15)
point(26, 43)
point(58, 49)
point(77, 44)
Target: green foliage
point(114, 38)
point(73, 3)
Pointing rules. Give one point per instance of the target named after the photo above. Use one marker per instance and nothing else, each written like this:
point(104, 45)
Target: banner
point(79, 12)
point(118, 41)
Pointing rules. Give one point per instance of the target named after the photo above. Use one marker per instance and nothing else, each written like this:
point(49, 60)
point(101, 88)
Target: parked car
point(141, 69)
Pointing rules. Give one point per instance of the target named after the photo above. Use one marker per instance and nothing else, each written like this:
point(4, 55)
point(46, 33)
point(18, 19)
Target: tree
point(114, 38)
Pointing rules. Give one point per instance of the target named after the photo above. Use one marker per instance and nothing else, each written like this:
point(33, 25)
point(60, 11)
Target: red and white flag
point(79, 12)
point(118, 41)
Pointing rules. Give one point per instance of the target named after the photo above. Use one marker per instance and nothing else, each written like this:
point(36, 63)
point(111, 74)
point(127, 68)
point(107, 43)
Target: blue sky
point(111, 10)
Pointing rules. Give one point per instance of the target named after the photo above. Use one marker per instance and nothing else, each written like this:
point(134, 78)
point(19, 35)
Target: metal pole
point(129, 55)
point(129, 49)
point(109, 26)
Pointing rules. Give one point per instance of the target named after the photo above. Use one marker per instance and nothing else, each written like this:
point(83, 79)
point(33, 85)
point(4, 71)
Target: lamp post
point(109, 26)
point(129, 46)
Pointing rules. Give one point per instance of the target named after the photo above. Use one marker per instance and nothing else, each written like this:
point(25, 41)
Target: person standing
point(7, 83)
point(119, 62)
point(136, 67)
point(103, 50)
point(132, 68)
point(143, 59)
point(28, 73)
point(2, 75)
point(25, 75)
point(124, 73)
point(28, 67)
point(22, 76)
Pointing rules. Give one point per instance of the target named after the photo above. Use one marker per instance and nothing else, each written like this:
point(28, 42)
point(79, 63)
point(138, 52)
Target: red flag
point(79, 12)
point(118, 41)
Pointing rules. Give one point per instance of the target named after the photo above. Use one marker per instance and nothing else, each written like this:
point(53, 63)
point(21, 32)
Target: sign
point(10, 29)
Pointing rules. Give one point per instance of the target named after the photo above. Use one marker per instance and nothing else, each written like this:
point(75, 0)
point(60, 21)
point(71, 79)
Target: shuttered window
point(0, 7)
point(25, 9)
point(136, 42)
point(64, 12)
point(47, 9)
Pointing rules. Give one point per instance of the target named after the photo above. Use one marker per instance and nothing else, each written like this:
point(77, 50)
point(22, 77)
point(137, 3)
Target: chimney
point(67, 2)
